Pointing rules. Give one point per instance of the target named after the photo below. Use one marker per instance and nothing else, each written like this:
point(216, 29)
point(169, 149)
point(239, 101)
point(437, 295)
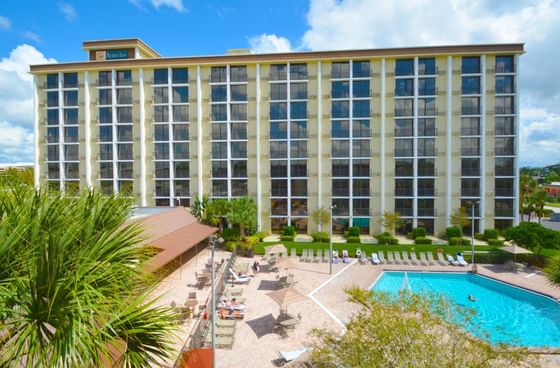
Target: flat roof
point(120, 42)
point(507, 48)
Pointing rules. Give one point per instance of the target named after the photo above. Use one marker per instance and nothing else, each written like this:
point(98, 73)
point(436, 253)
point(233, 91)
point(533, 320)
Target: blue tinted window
point(298, 71)
point(427, 66)
point(504, 84)
point(52, 80)
point(404, 67)
point(340, 109)
point(278, 72)
point(219, 93)
point(219, 112)
point(404, 87)
point(160, 76)
point(278, 130)
point(278, 111)
point(504, 64)
point(70, 80)
point(298, 110)
point(340, 70)
point(427, 86)
point(218, 74)
point(180, 75)
point(471, 85)
point(470, 65)
point(52, 99)
point(71, 116)
point(340, 89)
point(360, 109)
point(298, 91)
point(52, 117)
point(360, 69)
point(360, 88)
point(340, 129)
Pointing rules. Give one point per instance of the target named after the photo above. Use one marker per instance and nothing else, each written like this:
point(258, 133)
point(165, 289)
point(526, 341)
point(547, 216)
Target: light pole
point(473, 203)
point(330, 239)
point(213, 241)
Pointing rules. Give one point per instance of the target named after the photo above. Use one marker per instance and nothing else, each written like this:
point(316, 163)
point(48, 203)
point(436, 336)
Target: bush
point(490, 234)
point(320, 236)
point(496, 242)
point(353, 239)
point(353, 231)
point(386, 238)
point(410, 235)
point(419, 232)
point(453, 232)
point(230, 245)
point(459, 241)
point(394, 241)
point(287, 238)
point(231, 234)
point(345, 233)
point(422, 240)
point(261, 235)
point(247, 247)
point(479, 236)
point(289, 231)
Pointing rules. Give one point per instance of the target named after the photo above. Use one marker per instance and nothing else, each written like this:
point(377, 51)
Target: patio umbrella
point(285, 297)
point(284, 263)
point(273, 249)
point(515, 250)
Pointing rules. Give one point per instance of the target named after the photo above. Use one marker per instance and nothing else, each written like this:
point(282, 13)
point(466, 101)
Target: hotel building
point(422, 131)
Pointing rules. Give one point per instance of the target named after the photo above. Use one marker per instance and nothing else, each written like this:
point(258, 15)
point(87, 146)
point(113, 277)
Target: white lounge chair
point(345, 258)
point(461, 260)
point(361, 256)
point(239, 279)
point(451, 260)
point(431, 259)
point(293, 253)
point(374, 259)
point(303, 255)
point(319, 256)
point(381, 257)
point(405, 258)
point(397, 256)
point(441, 259)
point(390, 258)
point(335, 258)
point(413, 258)
point(288, 356)
point(326, 256)
point(423, 259)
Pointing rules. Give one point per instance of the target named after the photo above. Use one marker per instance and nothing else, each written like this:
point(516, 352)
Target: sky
point(36, 32)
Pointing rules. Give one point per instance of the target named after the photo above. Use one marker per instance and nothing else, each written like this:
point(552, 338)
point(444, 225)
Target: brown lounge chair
point(230, 314)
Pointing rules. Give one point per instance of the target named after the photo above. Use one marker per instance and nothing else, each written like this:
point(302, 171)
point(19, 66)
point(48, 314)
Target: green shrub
point(383, 238)
point(287, 238)
point(394, 241)
point(320, 236)
point(422, 240)
point(353, 239)
point(345, 233)
point(353, 231)
point(410, 235)
point(490, 234)
point(479, 236)
point(231, 245)
point(419, 232)
point(457, 241)
point(289, 230)
point(230, 234)
point(496, 242)
point(261, 235)
point(453, 232)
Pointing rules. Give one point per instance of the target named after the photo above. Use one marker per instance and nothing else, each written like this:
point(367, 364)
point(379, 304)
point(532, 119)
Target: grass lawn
point(368, 248)
point(550, 252)
point(557, 205)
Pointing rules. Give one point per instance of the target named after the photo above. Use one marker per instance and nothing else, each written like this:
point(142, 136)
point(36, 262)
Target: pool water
point(508, 314)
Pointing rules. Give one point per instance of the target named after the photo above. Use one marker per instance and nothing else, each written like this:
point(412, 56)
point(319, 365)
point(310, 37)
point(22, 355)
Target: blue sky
point(34, 32)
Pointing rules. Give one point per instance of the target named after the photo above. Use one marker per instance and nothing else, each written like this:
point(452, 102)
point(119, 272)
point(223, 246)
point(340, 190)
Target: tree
point(408, 331)
point(13, 176)
point(321, 216)
point(242, 212)
point(526, 186)
point(460, 218)
point(539, 198)
point(216, 212)
point(391, 221)
point(533, 236)
point(198, 208)
point(72, 284)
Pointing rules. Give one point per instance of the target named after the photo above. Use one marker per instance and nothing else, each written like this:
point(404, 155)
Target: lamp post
point(213, 241)
point(473, 203)
point(330, 239)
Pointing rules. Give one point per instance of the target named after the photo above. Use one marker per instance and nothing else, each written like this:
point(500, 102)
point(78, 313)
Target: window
point(182, 188)
point(279, 188)
point(278, 111)
point(470, 187)
point(278, 149)
point(238, 73)
point(341, 207)
point(72, 170)
point(504, 146)
point(180, 94)
point(219, 188)
point(70, 116)
point(124, 114)
point(219, 112)
point(504, 105)
point(219, 131)
point(404, 167)
point(106, 170)
point(298, 71)
point(238, 130)
point(504, 187)
point(340, 148)
point(340, 187)
point(124, 96)
point(52, 153)
point(360, 109)
point(239, 188)
point(219, 93)
point(340, 89)
point(278, 130)
point(404, 87)
point(340, 70)
point(160, 76)
point(218, 74)
point(360, 207)
point(360, 187)
point(180, 132)
point(298, 129)
point(180, 75)
point(470, 86)
point(360, 69)
point(238, 149)
point(181, 113)
point(298, 91)
point(360, 129)
point(470, 106)
point(360, 148)
point(427, 127)
point(470, 65)
point(71, 135)
point(162, 169)
point(52, 117)
point(105, 96)
point(70, 98)
point(470, 126)
point(403, 206)
point(504, 84)
point(52, 99)
point(504, 126)
point(404, 67)
point(52, 135)
point(504, 166)
point(404, 107)
point(426, 167)
point(52, 81)
point(278, 72)
point(162, 188)
point(360, 88)
point(278, 91)
point(238, 92)
point(279, 207)
point(125, 170)
point(238, 112)
point(426, 66)
point(161, 113)
point(181, 169)
point(404, 128)
point(503, 207)
point(105, 151)
point(470, 146)
point(298, 168)
point(298, 149)
point(426, 147)
point(404, 187)
point(426, 207)
point(105, 78)
point(299, 187)
point(403, 147)
point(504, 64)
point(124, 78)
point(340, 168)
point(426, 86)
point(181, 151)
point(219, 169)
point(427, 107)
point(124, 151)
point(298, 110)
point(470, 167)
point(70, 80)
point(278, 169)
point(340, 109)
point(162, 151)
point(71, 152)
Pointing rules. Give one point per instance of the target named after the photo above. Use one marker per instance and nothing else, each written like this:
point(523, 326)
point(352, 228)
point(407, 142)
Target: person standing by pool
point(256, 267)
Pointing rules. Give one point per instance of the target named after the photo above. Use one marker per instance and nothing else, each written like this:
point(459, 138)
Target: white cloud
point(269, 43)
point(5, 23)
point(16, 103)
point(174, 4)
point(32, 36)
point(539, 137)
point(68, 10)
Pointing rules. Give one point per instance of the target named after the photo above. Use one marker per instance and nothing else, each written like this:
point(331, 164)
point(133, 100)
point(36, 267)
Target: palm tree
point(71, 284)
point(242, 212)
point(539, 199)
point(526, 186)
point(460, 218)
point(216, 212)
point(198, 208)
point(321, 216)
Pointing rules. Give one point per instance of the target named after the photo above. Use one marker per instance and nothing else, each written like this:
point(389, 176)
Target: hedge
point(287, 238)
point(353, 231)
point(419, 232)
point(496, 242)
point(231, 234)
point(490, 234)
point(289, 230)
point(453, 232)
point(458, 241)
point(320, 236)
point(422, 240)
point(353, 239)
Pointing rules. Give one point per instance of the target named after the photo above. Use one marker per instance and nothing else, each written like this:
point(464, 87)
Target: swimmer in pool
point(472, 298)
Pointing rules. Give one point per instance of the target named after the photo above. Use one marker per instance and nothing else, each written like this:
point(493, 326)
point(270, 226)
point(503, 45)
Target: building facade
point(422, 131)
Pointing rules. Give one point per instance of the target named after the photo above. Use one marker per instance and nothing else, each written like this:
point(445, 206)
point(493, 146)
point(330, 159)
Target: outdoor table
point(285, 317)
point(190, 304)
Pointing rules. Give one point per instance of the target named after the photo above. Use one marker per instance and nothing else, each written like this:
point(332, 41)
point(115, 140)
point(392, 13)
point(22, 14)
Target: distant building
point(553, 189)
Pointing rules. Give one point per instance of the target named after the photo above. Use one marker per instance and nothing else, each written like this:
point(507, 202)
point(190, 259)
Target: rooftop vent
point(238, 52)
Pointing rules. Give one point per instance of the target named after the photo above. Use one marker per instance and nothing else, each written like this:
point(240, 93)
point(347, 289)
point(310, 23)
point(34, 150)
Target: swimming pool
point(508, 314)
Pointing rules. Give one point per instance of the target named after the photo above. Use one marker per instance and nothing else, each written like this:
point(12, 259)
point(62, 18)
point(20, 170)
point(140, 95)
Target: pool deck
point(326, 306)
